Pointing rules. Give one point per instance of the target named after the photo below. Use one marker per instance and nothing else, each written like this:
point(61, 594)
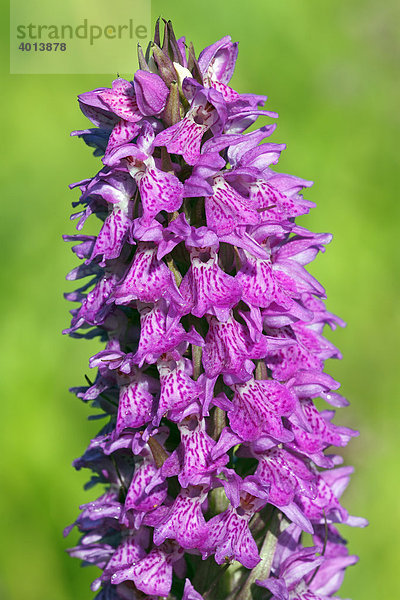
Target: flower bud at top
point(151, 93)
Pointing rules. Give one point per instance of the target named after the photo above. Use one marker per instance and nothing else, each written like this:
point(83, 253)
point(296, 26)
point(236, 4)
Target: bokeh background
point(331, 71)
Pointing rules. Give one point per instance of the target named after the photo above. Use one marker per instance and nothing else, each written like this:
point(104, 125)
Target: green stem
point(159, 454)
point(261, 370)
point(218, 422)
point(172, 267)
point(260, 522)
point(216, 580)
point(196, 361)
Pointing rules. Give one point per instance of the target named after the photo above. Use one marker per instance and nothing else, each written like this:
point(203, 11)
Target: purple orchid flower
point(214, 458)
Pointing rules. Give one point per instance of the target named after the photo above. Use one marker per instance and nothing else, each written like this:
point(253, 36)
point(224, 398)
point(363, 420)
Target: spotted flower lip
point(192, 461)
point(147, 279)
point(179, 393)
point(214, 457)
point(153, 573)
point(207, 289)
point(121, 100)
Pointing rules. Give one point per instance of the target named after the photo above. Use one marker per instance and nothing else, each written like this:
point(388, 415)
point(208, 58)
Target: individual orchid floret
point(117, 190)
point(179, 393)
point(129, 551)
point(325, 505)
point(142, 497)
point(185, 136)
point(121, 100)
point(287, 475)
point(192, 460)
point(206, 288)
point(229, 348)
point(321, 432)
point(135, 405)
point(184, 521)
point(158, 336)
point(151, 93)
point(260, 286)
point(228, 533)
point(258, 407)
point(159, 190)
point(274, 205)
point(147, 279)
point(217, 62)
point(112, 128)
point(226, 208)
point(297, 577)
point(153, 573)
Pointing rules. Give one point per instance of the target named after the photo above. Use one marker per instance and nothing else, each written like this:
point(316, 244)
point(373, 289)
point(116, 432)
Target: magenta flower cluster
point(213, 456)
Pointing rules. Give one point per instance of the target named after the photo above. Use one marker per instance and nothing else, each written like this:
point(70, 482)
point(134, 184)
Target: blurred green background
point(330, 70)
